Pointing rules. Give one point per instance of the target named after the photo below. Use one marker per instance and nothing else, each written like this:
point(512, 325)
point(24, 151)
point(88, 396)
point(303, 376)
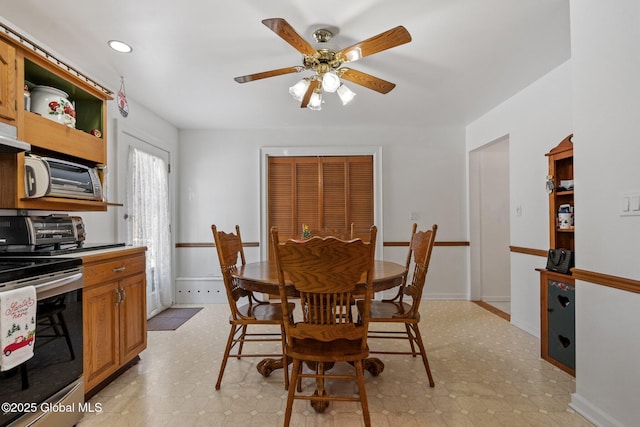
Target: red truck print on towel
point(18, 343)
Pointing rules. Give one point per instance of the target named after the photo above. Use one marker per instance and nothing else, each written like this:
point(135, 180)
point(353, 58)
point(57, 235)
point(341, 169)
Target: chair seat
point(267, 312)
point(340, 350)
point(389, 311)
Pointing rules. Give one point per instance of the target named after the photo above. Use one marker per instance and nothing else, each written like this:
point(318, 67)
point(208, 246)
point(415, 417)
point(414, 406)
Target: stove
point(16, 269)
point(51, 250)
point(52, 376)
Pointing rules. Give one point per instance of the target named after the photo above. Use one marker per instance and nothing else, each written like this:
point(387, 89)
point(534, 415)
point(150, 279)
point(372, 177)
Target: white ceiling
point(466, 56)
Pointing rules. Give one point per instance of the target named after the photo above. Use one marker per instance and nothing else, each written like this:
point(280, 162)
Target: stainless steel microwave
point(45, 176)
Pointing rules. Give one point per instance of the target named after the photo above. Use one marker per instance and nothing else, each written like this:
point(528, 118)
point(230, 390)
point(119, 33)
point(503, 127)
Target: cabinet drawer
point(115, 269)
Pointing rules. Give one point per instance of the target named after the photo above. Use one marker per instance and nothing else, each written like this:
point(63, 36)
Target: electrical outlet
point(414, 216)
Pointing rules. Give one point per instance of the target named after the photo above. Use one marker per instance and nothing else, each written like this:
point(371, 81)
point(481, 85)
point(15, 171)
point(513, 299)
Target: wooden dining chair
point(344, 234)
point(246, 309)
point(325, 272)
point(399, 310)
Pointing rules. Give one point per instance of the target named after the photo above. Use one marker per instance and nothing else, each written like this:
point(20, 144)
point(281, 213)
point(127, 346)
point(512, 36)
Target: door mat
point(171, 318)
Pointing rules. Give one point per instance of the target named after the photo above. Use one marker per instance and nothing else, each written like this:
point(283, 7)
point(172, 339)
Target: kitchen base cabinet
point(115, 313)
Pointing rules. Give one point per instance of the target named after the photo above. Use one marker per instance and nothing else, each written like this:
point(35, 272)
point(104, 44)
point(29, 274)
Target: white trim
point(375, 151)
point(592, 413)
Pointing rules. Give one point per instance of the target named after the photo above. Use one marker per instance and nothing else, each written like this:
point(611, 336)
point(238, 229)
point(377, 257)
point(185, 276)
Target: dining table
point(262, 277)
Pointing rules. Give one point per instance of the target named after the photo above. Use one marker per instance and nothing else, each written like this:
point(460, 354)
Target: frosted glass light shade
point(330, 82)
point(315, 103)
point(299, 89)
point(346, 95)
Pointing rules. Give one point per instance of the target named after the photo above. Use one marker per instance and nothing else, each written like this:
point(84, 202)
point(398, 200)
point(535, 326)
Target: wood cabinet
point(115, 313)
point(560, 172)
point(20, 67)
point(557, 292)
point(8, 84)
point(557, 320)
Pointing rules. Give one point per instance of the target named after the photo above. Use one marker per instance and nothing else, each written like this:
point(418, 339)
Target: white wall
point(536, 120)
point(606, 92)
point(423, 171)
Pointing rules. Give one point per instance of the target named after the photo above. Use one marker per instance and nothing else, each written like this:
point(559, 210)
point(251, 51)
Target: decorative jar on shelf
point(53, 104)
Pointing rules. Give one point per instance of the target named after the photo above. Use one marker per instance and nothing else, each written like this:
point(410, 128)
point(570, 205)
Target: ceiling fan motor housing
point(323, 61)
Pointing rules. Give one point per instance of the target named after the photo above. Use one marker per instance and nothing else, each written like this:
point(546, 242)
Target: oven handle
point(54, 284)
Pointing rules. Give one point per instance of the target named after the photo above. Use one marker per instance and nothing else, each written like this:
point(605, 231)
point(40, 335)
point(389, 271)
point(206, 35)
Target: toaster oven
point(46, 176)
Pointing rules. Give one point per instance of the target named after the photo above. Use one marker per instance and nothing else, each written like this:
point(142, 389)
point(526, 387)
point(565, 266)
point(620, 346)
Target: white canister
point(565, 220)
point(53, 104)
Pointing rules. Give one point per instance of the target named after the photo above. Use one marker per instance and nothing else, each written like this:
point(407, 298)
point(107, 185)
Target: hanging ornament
point(123, 105)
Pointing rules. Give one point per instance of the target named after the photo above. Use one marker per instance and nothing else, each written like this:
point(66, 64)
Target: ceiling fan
point(328, 64)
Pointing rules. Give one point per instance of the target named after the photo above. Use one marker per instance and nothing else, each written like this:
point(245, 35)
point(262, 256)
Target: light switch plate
point(630, 204)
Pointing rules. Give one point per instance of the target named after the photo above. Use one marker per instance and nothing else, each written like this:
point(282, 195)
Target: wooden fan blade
point(313, 85)
point(383, 41)
point(288, 34)
point(265, 74)
point(366, 80)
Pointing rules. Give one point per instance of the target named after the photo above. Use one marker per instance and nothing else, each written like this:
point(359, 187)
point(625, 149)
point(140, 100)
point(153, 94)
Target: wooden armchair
point(342, 234)
point(399, 311)
point(253, 312)
point(325, 273)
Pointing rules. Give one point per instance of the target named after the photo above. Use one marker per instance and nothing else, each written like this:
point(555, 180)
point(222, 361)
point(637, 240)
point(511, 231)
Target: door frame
point(266, 152)
point(476, 231)
point(151, 145)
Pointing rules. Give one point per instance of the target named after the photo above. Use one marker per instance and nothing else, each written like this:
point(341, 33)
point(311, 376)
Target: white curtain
point(148, 202)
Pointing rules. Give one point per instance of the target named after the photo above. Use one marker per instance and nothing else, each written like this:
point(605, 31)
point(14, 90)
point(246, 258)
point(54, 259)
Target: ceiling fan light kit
point(298, 90)
point(326, 64)
point(315, 102)
point(345, 94)
point(330, 82)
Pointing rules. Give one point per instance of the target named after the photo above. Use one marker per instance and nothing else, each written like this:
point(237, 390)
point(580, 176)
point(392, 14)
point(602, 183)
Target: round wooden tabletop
point(262, 276)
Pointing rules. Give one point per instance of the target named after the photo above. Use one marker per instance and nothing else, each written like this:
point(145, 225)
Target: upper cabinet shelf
point(86, 143)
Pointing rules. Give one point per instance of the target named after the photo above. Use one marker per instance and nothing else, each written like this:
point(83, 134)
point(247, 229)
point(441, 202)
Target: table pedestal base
point(374, 365)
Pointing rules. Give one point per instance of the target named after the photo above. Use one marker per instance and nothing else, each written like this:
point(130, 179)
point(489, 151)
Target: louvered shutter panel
point(334, 196)
point(360, 194)
point(322, 192)
point(307, 191)
point(281, 195)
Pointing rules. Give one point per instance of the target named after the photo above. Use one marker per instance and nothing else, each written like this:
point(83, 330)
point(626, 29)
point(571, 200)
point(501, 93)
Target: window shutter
point(322, 192)
point(307, 191)
point(281, 195)
point(334, 207)
point(360, 194)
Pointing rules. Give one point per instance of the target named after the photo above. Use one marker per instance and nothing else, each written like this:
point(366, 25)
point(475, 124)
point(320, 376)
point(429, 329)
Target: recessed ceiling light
point(120, 46)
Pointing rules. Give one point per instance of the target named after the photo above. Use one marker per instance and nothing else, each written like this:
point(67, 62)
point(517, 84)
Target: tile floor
point(487, 373)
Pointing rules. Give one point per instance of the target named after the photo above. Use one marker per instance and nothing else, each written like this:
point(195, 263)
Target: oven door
point(26, 391)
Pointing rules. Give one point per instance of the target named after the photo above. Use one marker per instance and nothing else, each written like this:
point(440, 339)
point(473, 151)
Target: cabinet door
point(133, 317)
point(101, 333)
point(8, 89)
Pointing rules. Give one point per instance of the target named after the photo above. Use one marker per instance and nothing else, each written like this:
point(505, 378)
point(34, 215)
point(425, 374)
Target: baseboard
point(592, 413)
point(200, 290)
point(533, 329)
point(494, 310)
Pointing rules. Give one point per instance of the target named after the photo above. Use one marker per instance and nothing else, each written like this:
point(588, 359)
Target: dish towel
point(17, 326)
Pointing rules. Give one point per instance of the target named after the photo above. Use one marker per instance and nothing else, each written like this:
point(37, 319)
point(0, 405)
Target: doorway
point(144, 187)
point(490, 224)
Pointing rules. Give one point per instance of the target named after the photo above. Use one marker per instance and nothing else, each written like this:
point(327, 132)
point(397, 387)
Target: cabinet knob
point(119, 269)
